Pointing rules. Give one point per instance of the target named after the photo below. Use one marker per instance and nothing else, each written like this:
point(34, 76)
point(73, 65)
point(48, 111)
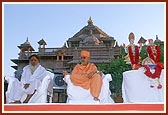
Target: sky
point(57, 22)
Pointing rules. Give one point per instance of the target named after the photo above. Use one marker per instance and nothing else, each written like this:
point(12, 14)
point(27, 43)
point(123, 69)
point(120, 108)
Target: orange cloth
point(160, 64)
point(135, 66)
point(85, 53)
point(79, 77)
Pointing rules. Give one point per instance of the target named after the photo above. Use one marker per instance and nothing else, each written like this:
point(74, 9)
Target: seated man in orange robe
point(86, 76)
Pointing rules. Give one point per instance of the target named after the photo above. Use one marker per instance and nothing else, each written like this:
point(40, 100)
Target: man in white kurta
point(31, 79)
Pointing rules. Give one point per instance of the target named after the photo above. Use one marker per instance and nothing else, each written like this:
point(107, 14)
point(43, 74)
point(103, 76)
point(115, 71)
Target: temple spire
point(157, 37)
point(90, 21)
point(27, 40)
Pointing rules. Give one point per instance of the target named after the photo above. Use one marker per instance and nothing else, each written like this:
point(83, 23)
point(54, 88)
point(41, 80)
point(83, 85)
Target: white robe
point(17, 90)
point(77, 94)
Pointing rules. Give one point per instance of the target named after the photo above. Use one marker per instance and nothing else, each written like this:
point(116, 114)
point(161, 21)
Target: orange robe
point(79, 77)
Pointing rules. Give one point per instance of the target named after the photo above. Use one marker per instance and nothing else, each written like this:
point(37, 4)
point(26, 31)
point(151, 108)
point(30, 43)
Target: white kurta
point(17, 90)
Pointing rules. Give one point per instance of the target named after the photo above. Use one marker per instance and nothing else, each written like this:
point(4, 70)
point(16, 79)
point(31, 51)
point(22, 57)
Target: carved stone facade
point(103, 48)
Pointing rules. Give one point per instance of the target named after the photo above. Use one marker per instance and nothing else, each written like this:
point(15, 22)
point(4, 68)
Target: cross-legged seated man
point(86, 76)
point(31, 79)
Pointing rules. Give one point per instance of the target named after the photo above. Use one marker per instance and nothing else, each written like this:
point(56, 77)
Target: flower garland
point(151, 54)
point(132, 59)
point(156, 74)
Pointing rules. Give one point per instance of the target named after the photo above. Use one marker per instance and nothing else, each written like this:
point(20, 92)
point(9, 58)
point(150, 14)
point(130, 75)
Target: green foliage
point(116, 69)
point(162, 53)
point(123, 52)
point(144, 53)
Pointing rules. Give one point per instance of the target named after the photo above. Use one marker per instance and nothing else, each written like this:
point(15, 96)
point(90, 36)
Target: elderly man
point(31, 79)
point(86, 76)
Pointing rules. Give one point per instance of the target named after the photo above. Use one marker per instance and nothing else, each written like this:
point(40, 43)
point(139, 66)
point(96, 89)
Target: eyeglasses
point(83, 57)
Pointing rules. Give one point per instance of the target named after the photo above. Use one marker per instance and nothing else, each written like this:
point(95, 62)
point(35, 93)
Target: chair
point(77, 94)
point(43, 94)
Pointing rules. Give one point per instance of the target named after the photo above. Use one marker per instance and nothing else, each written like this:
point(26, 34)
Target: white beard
point(33, 68)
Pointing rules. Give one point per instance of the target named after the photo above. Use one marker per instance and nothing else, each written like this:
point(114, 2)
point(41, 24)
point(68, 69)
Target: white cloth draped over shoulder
point(15, 89)
point(77, 94)
point(46, 88)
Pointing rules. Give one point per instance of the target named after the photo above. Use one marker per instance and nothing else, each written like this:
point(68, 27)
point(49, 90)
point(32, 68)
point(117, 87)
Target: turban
point(85, 53)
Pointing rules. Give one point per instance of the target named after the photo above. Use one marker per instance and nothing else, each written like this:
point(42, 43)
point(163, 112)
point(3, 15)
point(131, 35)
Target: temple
point(103, 48)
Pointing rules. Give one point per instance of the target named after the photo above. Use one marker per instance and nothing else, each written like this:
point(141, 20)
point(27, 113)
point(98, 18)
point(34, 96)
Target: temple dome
point(27, 41)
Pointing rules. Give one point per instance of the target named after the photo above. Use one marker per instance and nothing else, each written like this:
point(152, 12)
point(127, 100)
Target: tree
point(116, 69)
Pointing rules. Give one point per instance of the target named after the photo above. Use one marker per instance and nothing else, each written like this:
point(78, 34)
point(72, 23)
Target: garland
point(151, 54)
point(156, 74)
point(132, 59)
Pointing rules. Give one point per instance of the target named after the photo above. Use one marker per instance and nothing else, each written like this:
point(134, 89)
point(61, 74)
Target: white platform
point(136, 88)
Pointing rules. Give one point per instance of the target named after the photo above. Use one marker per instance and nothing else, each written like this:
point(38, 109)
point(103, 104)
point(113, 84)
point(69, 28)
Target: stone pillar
point(62, 58)
point(43, 45)
point(57, 57)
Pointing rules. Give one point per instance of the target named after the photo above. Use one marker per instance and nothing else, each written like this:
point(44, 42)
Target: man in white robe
point(31, 79)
